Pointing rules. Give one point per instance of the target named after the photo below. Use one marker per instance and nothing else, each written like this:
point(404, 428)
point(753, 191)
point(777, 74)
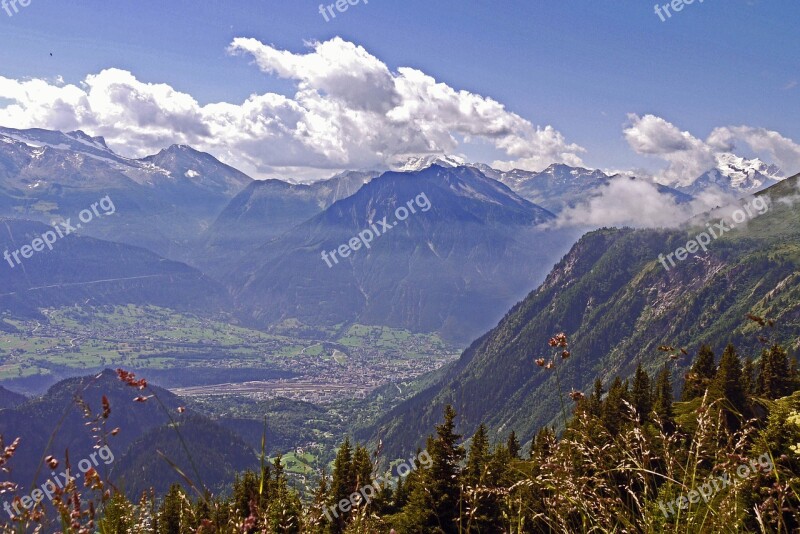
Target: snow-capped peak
point(418, 163)
point(747, 173)
point(736, 175)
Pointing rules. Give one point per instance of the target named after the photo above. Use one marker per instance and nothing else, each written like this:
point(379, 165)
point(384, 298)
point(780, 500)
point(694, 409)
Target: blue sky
point(579, 66)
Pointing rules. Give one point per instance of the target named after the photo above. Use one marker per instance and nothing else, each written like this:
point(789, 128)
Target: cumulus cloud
point(688, 157)
point(349, 111)
point(639, 203)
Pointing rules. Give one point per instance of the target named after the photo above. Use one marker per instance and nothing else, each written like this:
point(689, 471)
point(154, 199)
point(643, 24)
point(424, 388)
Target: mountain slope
point(617, 304)
point(265, 210)
point(163, 202)
point(9, 399)
point(83, 269)
point(144, 428)
point(453, 267)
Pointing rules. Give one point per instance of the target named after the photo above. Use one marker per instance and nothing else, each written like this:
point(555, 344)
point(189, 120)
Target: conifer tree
point(663, 398)
point(614, 406)
point(283, 513)
point(342, 483)
point(748, 377)
point(478, 458)
point(434, 503)
point(700, 375)
point(362, 468)
point(727, 382)
point(513, 446)
point(641, 394)
point(774, 381)
point(171, 512)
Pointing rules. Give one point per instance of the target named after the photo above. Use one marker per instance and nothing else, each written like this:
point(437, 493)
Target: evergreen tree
point(283, 513)
point(663, 398)
point(748, 377)
point(171, 512)
point(614, 406)
point(434, 503)
point(318, 519)
point(343, 483)
point(595, 403)
point(700, 375)
point(543, 444)
point(513, 446)
point(478, 458)
point(727, 382)
point(641, 394)
point(362, 468)
point(774, 380)
point(117, 515)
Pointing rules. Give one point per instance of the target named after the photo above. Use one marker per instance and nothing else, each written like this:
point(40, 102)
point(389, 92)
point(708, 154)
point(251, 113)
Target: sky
point(274, 89)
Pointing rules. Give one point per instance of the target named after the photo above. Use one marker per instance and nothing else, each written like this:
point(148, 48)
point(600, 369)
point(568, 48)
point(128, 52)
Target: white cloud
point(638, 203)
point(782, 150)
point(349, 111)
point(688, 157)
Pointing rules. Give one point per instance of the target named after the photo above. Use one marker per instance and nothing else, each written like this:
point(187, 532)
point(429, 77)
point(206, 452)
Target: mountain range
point(485, 243)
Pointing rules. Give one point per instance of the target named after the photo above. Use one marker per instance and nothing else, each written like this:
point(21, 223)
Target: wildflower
point(51, 462)
point(130, 379)
point(106, 407)
point(549, 365)
point(565, 354)
point(540, 362)
point(559, 340)
point(576, 395)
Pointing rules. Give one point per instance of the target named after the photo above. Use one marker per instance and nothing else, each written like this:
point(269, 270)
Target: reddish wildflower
point(130, 379)
point(181, 409)
point(565, 354)
point(540, 362)
point(115, 431)
point(559, 340)
point(549, 365)
point(576, 395)
point(140, 398)
point(106, 407)
point(51, 462)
